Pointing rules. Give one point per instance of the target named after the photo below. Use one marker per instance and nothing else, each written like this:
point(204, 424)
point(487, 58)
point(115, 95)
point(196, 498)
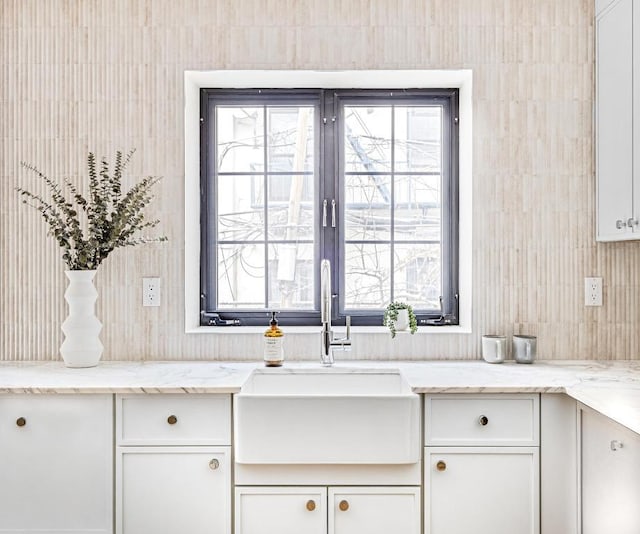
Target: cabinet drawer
point(482, 420)
point(173, 419)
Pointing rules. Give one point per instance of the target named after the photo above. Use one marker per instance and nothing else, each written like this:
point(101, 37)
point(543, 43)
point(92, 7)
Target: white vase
point(402, 322)
point(82, 346)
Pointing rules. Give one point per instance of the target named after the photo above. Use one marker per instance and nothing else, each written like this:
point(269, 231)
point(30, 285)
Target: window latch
point(333, 213)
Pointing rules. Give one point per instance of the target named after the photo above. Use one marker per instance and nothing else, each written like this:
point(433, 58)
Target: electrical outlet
point(151, 291)
point(593, 291)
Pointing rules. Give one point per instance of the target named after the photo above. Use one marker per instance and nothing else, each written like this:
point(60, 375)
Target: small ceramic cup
point(494, 348)
point(524, 348)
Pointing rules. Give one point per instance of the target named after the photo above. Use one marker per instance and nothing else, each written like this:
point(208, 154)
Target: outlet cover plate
point(593, 291)
point(151, 292)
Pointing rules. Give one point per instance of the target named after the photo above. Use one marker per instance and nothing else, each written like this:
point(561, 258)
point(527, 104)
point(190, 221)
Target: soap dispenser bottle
point(273, 344)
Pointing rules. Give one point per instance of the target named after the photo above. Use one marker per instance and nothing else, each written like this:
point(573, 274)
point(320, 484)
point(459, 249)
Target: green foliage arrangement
point(391, 316)
point(89, 228)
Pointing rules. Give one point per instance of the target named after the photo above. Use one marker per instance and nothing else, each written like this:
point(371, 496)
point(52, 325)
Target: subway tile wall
point(92, 75)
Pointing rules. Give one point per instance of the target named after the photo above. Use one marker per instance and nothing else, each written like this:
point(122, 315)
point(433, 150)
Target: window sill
point(453, 329)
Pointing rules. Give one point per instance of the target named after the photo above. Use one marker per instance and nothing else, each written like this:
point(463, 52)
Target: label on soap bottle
point(273, 350)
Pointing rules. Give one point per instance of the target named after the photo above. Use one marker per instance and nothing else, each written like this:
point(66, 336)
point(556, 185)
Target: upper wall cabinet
point(617, 120)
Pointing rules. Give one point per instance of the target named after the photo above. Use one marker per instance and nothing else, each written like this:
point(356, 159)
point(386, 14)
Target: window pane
point(240, 139)
point(291, 277)
point(417, 275)
point(241, 276)
point(367, 207)
point(367, 276)
point(240, 201)
point(418, 138)
point(291, 207)
point(417, 208)
point(291, 139)
point(367, 138)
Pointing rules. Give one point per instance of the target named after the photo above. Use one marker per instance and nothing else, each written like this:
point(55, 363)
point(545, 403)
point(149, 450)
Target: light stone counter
point(611, 388)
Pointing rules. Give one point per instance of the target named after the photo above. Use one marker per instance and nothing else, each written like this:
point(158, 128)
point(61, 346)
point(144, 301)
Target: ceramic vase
point(402, 322)
point(82, 346)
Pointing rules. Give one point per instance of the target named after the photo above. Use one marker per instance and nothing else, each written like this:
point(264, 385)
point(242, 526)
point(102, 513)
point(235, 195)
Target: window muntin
point(390, 164)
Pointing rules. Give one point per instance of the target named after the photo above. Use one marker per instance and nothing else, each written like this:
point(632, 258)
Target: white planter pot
point(82, 346)
point(402, 322)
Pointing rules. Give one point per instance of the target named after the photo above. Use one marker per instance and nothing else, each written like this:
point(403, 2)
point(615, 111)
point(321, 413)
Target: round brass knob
point(311, 505)
point(214, 464)
point(344, 505)
point(172, 419)
point(441, 466)
point(483, 420)
point(21, 421)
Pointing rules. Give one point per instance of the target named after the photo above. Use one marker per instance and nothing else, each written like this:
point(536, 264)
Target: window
point(365, 178)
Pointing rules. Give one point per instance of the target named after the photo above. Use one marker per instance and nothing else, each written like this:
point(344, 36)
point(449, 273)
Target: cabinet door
point(614, 120)
point(173, 490)
point(483, 490)
point(610, 471)
point(374, 510)
point(281, 510)
point(56, 468)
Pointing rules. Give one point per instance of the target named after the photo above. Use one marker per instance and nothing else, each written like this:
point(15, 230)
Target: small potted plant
point(399, 316)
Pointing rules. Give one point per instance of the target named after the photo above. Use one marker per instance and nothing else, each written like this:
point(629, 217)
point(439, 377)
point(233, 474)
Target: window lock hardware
point(324, 213)
point(213, 319)
point(325, 120)
point(333, 213)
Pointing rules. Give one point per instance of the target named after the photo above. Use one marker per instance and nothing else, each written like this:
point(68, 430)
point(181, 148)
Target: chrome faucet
point(328, 343)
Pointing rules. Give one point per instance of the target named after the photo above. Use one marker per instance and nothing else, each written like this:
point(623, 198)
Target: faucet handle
point(348, 323)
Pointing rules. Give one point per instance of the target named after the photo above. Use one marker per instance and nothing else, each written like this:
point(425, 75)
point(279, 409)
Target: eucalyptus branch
point(113, 220)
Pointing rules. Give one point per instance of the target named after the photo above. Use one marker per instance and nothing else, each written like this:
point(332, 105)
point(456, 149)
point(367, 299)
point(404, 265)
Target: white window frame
point(285, 79)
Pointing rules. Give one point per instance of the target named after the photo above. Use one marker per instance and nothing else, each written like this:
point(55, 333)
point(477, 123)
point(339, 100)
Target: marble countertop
point(611, 388)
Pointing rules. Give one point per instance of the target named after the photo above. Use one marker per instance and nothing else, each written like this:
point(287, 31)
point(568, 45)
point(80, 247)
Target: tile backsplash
point(103, 76)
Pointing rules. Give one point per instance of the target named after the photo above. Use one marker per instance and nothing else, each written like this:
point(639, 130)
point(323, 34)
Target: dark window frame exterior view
point(321, 175)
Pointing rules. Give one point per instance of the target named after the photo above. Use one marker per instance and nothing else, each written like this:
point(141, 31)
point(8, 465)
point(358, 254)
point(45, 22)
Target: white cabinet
point(173, 490)
point(56, 464)
point(354, 510)
point(170, 479)
point(318, 510)
point(484, 490)
point(281, 510)
point(618, 120)
point(610, 476)
point(481, 464)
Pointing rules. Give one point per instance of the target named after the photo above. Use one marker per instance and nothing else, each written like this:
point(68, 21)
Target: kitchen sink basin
point(327, 416)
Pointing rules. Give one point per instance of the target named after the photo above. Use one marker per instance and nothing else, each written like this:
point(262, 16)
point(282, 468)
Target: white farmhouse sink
point(327, 416)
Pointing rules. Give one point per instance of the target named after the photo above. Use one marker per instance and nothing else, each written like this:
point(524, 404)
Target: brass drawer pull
point(344, 505)
point(214, 464)
point(441, 466)
point(172, 419)
point(21, 421)
point(311, 505)
point(483, 420)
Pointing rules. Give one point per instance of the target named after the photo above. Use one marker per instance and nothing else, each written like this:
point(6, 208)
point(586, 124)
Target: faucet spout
point(325, 292)
point(328, 343)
